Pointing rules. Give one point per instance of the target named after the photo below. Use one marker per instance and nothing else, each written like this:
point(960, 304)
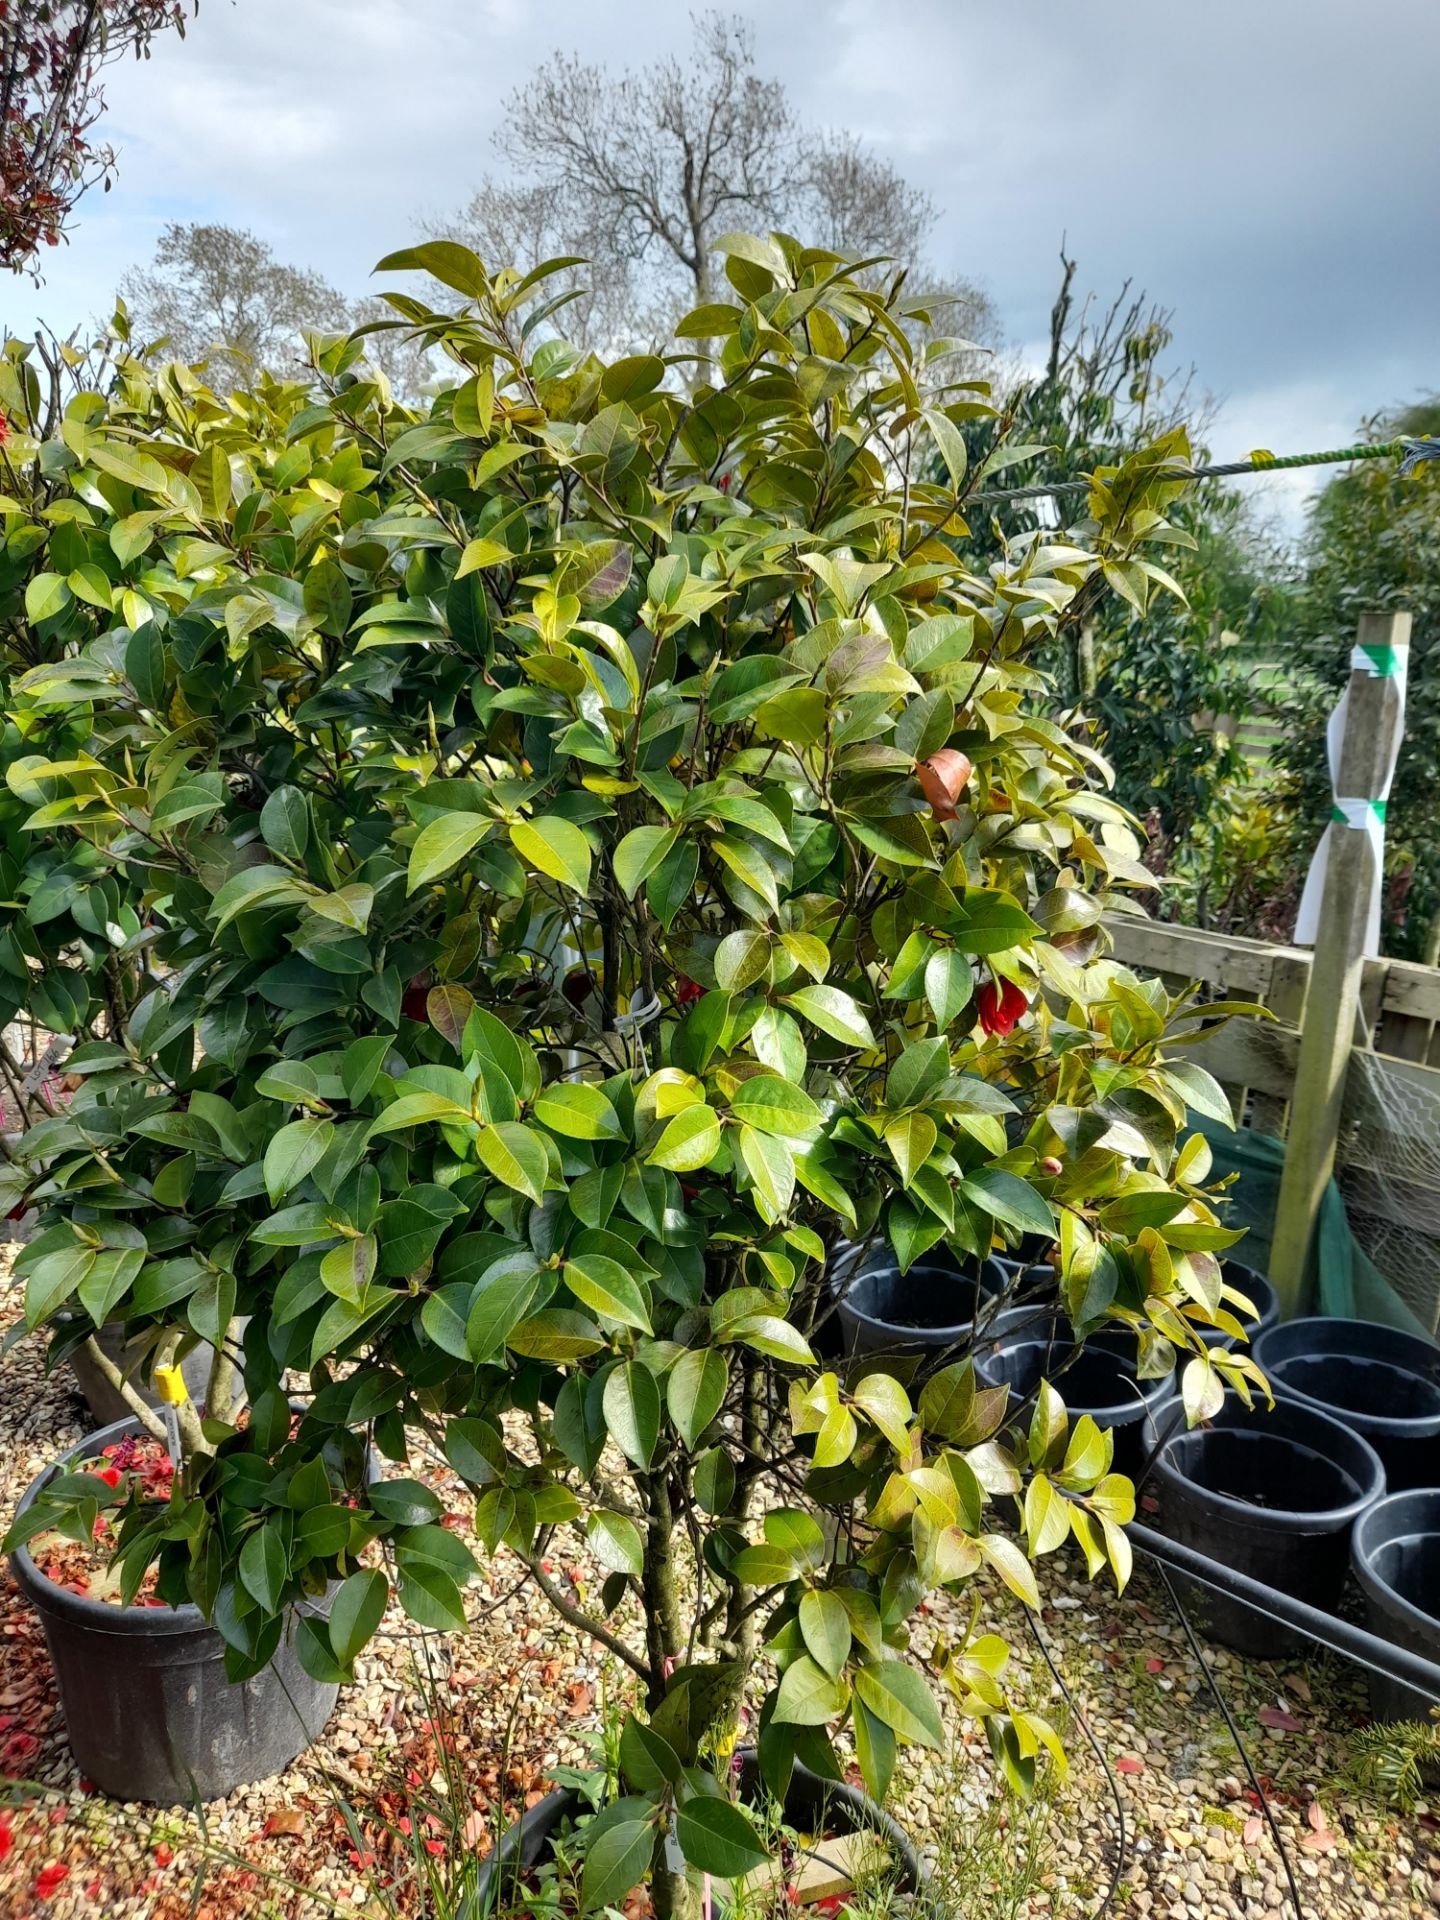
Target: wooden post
point(1372, 720)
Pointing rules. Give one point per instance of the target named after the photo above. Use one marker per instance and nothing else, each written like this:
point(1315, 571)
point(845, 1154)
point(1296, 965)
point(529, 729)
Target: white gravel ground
point(519, 1691)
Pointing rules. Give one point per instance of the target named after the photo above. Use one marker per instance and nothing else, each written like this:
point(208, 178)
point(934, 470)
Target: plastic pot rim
point(1151, 1394)
point(1361, 1548)
point(99, 1616)
point(1279, 1519)
point(1389, 1426)
point(509, 1851)
point(907, 1333)
point(79, 1609)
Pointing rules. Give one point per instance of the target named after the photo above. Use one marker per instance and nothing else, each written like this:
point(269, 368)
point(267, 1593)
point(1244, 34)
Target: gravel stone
point(513, 1700)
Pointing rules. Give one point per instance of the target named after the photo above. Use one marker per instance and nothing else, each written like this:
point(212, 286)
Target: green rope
point(1408, 451)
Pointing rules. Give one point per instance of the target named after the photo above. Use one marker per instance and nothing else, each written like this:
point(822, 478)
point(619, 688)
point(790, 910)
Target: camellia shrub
point(71, 937)
point(599, 866)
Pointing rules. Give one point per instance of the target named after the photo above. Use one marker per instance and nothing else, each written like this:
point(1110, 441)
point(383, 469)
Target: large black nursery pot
point(105, 1402)
point(918, 1315)
point(812, 1805)
point(1098, 1378)
point(1275, 1494)
point(1259, 1290)
point(1384, 1384)
point(149, 1713)
point(1396, 1557)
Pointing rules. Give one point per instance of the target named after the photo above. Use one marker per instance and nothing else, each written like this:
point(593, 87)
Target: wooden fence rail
point(1349, 1067)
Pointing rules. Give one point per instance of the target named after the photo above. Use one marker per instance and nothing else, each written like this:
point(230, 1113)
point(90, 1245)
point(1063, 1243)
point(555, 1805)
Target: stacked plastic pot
point(1343, 1473)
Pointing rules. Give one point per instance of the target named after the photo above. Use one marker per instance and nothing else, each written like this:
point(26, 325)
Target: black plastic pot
point(1382, 1383)
point(149, 1713)
point(1099, 1379)
point(1396, 1557)
point(104, 1401)
point(919, 1314)
point(1274, 1494)
point(1259, 1289)
point(810, 1803)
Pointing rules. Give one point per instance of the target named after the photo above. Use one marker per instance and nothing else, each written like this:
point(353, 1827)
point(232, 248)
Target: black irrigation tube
point(1256, 1785)
point(1351, 1642)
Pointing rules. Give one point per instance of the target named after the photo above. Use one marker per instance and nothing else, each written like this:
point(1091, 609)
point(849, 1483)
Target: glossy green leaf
point(555, 848)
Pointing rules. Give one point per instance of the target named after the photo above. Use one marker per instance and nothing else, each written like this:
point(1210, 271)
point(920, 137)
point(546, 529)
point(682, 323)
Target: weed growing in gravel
point(995, 1865)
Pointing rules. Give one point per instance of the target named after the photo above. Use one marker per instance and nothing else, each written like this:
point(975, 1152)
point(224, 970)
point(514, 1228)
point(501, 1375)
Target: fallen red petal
point(49, 1878)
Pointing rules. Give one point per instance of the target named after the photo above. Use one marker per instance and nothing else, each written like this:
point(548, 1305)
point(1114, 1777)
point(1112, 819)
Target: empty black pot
point(1384, 1384)
point(1259, 1290)
point(1098, 1378)
point(1274, 1494)
point(919, 1314)
point(149, 1713)
point(1396, 1557)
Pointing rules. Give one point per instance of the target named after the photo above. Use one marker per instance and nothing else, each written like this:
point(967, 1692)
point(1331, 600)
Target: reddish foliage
point(51, 59)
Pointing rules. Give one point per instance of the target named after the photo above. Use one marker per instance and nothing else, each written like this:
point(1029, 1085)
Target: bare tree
point(617, 308)
point(642, 174)
point(218, 295)
point(51, 58)
point(855, 201)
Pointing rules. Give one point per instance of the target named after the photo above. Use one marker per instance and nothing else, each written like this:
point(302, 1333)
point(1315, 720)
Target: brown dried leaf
point(942, 778)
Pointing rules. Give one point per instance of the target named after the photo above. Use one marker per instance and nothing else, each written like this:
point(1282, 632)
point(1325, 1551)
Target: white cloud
point(1264, 169)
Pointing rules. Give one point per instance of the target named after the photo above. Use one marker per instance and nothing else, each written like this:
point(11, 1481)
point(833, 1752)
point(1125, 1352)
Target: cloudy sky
point(1268, 168)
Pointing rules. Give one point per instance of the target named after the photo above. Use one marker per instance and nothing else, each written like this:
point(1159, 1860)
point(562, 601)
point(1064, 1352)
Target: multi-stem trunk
point(671, 1893)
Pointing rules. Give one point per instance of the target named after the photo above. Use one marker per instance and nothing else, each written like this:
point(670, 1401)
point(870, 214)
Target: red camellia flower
point(110, 1475)
point(687, 991)
point(1002, 1006)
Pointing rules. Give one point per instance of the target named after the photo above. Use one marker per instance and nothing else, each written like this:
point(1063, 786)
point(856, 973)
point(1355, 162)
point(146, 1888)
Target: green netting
point(1341, 1281)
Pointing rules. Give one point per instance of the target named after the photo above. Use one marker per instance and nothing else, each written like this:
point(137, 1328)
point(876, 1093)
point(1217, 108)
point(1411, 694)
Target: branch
point(104, 1365)
point(577, 1617)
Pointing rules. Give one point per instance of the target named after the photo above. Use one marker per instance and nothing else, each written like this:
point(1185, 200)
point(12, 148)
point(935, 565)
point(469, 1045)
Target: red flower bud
point(1051, 1165)
point(110, 1475)
point(1001, 1007)
point(576, 987)
point(687, 990)
point(942, 777)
